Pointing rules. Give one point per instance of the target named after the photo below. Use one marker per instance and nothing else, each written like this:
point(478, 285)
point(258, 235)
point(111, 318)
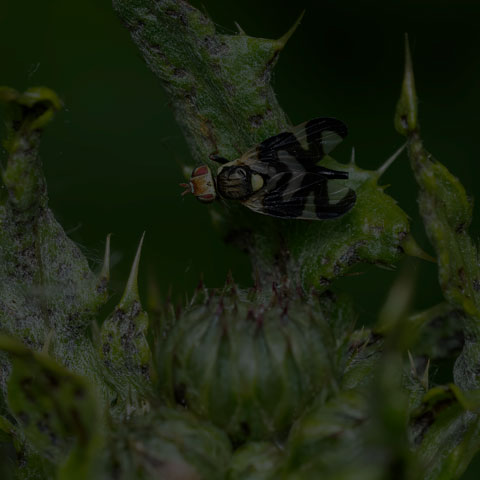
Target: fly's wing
point(294, 185)
point(307, 195)
point(308, 142)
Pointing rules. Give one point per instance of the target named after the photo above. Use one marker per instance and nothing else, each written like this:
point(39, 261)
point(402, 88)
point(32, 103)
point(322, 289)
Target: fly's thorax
point(238, 182)
point(202, 184)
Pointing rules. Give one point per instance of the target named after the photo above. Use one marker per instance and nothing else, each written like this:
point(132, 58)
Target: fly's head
point(201, 184)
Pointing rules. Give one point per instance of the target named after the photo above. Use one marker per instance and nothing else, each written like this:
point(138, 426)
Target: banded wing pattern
point(295, 186)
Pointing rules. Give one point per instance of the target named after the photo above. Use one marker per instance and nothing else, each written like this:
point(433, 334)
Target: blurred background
point(112, 157)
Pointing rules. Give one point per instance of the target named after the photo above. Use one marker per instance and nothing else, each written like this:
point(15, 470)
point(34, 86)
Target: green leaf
point(374, 231)
point(365, 351)
point(255, 461)
point(123, 346)
point(444, 429)
point(445, 208)
point(327, 441)
point(221, 95)
point(438, 331)
point(168, 444)
point(447, 212)
point(56, 410)
point(48, 295)
point(446, 432)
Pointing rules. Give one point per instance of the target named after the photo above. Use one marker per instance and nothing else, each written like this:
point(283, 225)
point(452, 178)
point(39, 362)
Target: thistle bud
point(248, 364)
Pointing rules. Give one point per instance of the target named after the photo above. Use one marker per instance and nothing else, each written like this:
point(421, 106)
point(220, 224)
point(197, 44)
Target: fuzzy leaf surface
point(448, 440)
point(168, 444)
point(56, 410)
point(123, 346)
point(447, 212)
point(48, 295)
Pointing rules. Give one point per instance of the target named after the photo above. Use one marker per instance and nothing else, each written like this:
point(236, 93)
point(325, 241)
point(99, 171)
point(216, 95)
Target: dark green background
point(112, 157)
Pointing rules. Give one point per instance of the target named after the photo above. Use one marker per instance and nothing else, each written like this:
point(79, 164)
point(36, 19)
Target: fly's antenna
point(187, 187)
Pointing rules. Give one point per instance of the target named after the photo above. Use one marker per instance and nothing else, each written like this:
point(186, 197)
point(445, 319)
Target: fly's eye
point(239, 173)
point(206, 198)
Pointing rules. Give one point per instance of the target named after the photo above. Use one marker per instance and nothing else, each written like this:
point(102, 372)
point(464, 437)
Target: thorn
point(352, 157)
point(230, 286)
point(275, 298)
point(282, 41)
point(383, 168)
point(257, 283)
point(105, 272)
point(130, 294)
point(413, 369)
point(201, 284)
point(210, 296)
point(48, 341)
point(424, 378)
point(398, 302)
point(241, 31)
point(411, 248)
point(220, 308)
point(259, 319)
point(406, 111)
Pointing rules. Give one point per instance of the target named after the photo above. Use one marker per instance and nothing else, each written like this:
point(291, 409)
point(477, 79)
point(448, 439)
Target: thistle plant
point(276, 381)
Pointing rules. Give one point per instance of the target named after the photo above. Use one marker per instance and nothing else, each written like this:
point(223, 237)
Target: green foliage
point(47, 292)
point(255, 461)
point(56, 411)
point(375, 231)
point(446, 434)
point(167, 444)
point(123, 346)
point(269, 383)
point(447, 213)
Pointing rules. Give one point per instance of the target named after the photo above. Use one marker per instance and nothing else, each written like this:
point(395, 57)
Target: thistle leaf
point(123, 347)
point(447, 212)
point(255, 461)
point(104, 276)
point(168, 444)
point(45, 281)
point(435, 428)
point(56, 410)
point(374, 231)
point(444, 430)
